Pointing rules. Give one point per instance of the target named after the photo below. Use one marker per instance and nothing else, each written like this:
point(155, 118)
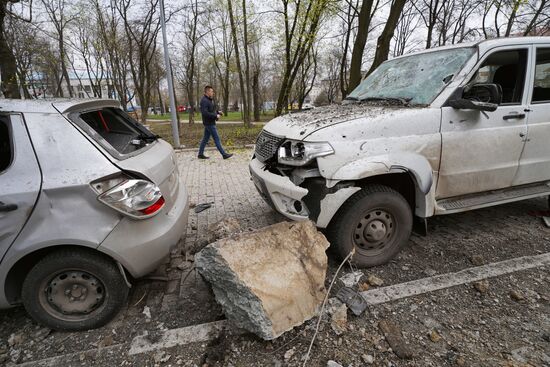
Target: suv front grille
point(267, 145)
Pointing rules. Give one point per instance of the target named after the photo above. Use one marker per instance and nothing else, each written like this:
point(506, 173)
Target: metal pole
point(175, 133)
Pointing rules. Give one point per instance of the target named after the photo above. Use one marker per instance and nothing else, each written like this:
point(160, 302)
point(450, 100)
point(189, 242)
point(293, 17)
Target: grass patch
point(191, 135)
point(231, 116)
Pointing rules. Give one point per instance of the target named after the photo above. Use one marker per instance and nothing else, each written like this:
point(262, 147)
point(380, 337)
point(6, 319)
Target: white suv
point(440, 131)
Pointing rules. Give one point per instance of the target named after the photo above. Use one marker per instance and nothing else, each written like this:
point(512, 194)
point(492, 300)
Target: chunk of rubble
point(268, 281)
point(223, 229)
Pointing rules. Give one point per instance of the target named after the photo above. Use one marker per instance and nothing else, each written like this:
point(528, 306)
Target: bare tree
point(405, 29)
point(383, 45)
point(60, 18)
point(348, 20)
point(88, 45)
point(365, 16)
point(115, 50)
point(141, 37)
point(192, 37)
point(302, 19)
point(234, 32)
point(8, 65)
point(306, 77)
point(23, 40)
point(429, 12)
point(219, 46)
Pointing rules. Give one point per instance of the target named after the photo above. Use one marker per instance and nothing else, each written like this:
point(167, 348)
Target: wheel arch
point(15, 277)
point(410, 174)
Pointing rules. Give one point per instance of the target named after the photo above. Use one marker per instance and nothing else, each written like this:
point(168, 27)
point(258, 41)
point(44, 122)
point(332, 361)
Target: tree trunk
point(256, 92)
point(383, 45)
point(8, 66)
point(237, 57)
point(359, 45)
point(247, 67)
point(226, 92)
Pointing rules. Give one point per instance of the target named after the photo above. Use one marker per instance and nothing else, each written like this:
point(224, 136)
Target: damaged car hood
point(299, 125)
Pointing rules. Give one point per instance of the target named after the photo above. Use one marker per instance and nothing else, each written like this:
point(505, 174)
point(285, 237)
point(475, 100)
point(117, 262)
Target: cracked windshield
point(416, 79)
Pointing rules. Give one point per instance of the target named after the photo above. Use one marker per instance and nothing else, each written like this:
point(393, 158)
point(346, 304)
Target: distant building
point(40, 85)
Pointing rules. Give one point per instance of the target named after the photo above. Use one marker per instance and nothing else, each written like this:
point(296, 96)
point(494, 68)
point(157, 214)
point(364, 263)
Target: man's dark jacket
point(208, 111)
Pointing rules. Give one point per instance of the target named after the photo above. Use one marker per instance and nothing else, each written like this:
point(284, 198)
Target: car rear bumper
point(142, 245)
point(279, 192)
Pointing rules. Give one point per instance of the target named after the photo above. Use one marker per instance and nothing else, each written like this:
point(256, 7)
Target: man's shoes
point(202, 156)
point(227, 155)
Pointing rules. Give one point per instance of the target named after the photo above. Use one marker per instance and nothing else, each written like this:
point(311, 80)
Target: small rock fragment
point(477, 260)
point(460, 361)
point(517, 296)
point(434, 336)
point(351, 279)
point(482, 286)
point(41, 334)
point(289, 353)
point(161, 357)
point(367, 358)
point(223, 229)
point(375, 281)
point(147, 313)
point(16, 339)
point(339, 320)
point(363, 287)
point(395, 339)
point(333, 364)
point(107, 341)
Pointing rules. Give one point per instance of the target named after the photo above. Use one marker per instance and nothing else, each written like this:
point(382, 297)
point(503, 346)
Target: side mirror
point(468, 104)
point(481, 97)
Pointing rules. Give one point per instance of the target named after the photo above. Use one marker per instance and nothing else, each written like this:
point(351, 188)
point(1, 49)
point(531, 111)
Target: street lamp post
point(175, 133)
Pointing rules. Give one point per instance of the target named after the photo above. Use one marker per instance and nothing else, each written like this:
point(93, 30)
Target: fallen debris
point(351, 279)
point(395, 339)
point(482, 286)
point(546, 221)
point(434, 336)
point(202, 207)
point(477, 260)
point(222, 229)
point(375, 281)
point(353, 300)
point(517, 295)
point(339, 319)
point(270, 280)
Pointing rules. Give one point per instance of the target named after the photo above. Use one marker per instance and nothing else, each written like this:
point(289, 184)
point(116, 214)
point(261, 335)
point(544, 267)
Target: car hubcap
point(74, 293)
point(374, 231)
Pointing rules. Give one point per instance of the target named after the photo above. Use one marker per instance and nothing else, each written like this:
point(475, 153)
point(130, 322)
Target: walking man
point(209, 118)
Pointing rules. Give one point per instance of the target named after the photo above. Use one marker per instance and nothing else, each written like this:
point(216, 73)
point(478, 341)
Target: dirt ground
point(502, 321)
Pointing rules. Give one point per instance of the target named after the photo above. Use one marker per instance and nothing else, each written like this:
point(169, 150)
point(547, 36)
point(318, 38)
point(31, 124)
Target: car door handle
point(7, 207)
point(514, 116)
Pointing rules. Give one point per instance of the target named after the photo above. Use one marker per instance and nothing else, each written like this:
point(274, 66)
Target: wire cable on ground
point(321, 312)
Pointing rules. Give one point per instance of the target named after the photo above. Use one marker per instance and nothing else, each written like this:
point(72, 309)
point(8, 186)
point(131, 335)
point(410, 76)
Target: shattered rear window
point(117, 129)
point(419, 78)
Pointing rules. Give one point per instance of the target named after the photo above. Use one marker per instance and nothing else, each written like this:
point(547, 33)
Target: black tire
point(377, 221)
point(74, 290)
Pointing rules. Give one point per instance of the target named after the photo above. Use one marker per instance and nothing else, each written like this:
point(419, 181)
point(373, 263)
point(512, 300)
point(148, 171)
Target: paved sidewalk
point(226, 184)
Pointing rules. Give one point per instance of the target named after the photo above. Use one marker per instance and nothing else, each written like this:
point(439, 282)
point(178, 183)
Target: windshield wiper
point(348, 98)
point(148, 138)
point(403, 100)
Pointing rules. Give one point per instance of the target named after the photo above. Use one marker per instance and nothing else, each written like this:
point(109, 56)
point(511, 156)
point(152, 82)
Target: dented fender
point(418, 166)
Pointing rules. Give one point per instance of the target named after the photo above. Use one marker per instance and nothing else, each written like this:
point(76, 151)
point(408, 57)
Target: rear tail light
point(133, 197)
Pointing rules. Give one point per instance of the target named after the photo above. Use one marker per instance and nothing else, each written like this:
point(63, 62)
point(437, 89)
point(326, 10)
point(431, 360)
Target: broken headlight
point(300, 153)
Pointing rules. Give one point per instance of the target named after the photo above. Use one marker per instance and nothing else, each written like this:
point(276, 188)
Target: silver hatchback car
point(89, 199)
